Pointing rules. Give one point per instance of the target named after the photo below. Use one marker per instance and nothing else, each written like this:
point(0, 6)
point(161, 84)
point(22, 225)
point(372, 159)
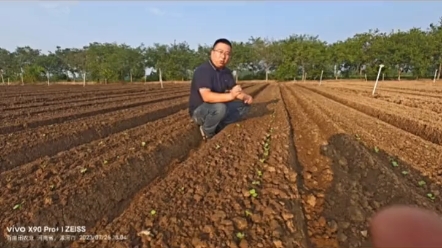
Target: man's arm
point(241, 96)
point(203, 82)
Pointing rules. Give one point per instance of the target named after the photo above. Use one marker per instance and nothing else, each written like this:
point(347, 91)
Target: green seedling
point(248, 213)
point(181, 190)
point(357, 137)
point(238, 125)
point(266, 146)
point(405, 172)
point(83, 170)
point(376, 149)
point(256, 183)
point(394, 163)
point(153, 212)
point(17, 206)
point(259, 173)
point(421, 183)
point(431, 196)
point(217, 146)
point(143, 143)
point(105, 162)
point(262, 160)
point(253, 193)
point(52, 186)
point(240, 235)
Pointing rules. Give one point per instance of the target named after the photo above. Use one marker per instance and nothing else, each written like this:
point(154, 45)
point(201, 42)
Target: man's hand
point(247, 99)
point(403, 226)
point(235, 91)
point(237, 88)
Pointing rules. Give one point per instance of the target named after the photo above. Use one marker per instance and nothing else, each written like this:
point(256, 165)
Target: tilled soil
point(408, 86)
point(419, 102)
point(416, 121)
point(47, 118)
point(106, 165)
point(347, 181)
point(308, 167)
point(83, 105)
point(431, 92)
point(15, 100)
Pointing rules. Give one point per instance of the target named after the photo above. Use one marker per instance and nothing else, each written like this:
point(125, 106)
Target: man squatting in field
point(215, 99)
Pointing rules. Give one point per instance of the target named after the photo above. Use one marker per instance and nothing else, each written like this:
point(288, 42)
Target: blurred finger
point(402, 226)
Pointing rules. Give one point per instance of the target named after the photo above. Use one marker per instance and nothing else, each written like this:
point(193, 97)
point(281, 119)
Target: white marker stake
point(435, 75)
point(320, 79)
point(161, 78)
point(377, 79)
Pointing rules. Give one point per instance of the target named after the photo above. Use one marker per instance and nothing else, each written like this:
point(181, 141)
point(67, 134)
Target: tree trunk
point(438, 73)
point(73, 75)
point(399, 72)
point(303, 74)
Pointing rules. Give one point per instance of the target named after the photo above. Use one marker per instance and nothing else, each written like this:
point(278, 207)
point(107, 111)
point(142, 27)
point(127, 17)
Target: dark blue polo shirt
point(208, 76)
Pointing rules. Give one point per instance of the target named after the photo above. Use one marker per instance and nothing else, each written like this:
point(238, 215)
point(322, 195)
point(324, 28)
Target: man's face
point(220, 54)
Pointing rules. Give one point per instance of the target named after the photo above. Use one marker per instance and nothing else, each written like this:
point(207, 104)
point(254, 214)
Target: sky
point(47, 24)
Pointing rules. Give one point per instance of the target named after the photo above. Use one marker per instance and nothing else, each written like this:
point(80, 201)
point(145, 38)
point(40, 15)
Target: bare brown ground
point(308, 167)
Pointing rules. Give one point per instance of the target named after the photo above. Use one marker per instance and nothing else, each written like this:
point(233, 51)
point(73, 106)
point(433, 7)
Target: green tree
point(407, 54)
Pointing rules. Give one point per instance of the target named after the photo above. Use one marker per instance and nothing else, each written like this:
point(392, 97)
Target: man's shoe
point(203, 134)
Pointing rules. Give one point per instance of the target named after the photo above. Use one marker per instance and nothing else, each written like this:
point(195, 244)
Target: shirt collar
point(213, 66)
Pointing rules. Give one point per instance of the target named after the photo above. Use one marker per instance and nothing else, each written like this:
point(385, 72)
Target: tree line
point(411, 54)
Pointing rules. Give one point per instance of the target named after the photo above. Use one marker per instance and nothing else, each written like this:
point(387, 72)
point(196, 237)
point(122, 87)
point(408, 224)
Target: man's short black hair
point(222, 40)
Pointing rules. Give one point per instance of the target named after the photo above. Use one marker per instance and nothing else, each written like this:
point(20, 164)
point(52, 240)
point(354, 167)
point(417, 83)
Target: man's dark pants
point(213, 117)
